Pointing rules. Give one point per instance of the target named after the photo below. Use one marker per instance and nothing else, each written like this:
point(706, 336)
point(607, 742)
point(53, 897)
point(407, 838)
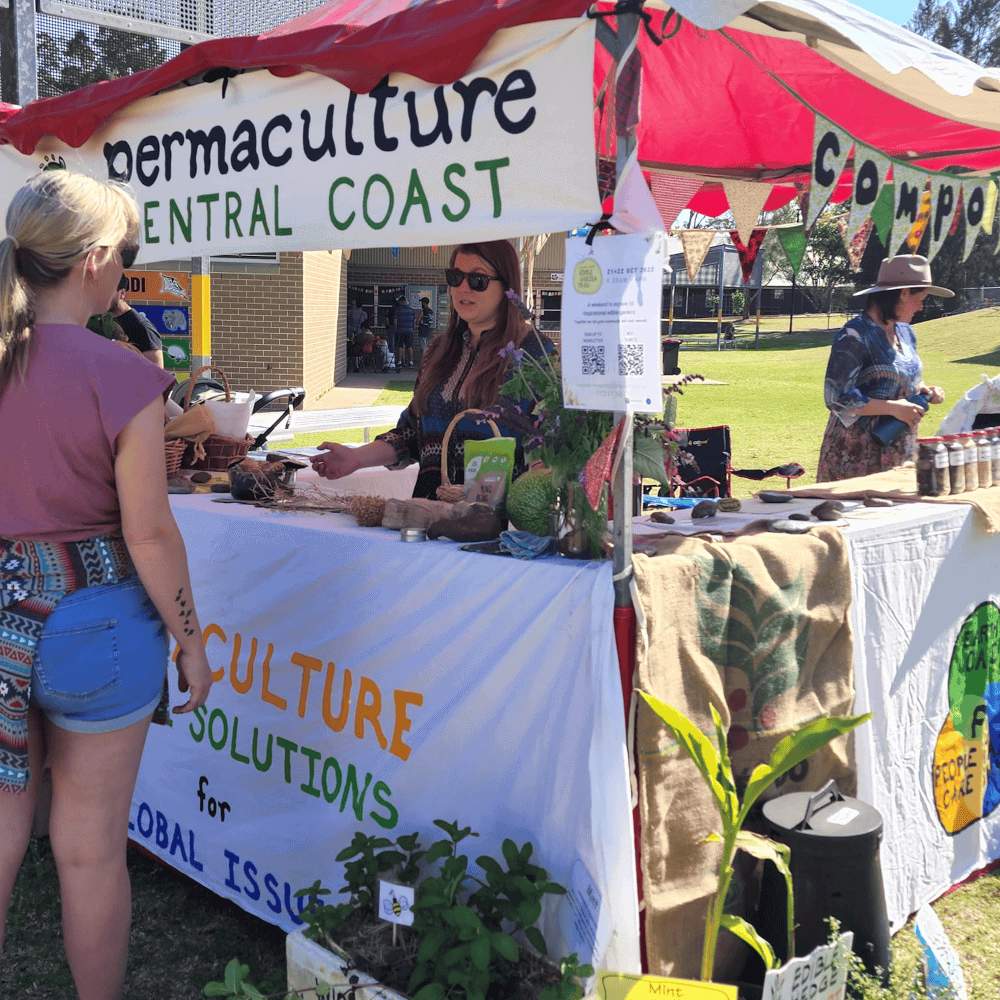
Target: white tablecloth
point(367, 683)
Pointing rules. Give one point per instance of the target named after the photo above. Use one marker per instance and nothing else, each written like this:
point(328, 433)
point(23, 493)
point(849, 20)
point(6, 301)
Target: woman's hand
point(337, 461)
point(935, 392)
point(910, 413)
point(194, 675)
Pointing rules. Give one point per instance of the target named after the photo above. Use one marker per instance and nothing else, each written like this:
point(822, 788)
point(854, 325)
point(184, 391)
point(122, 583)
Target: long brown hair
point(489, 370)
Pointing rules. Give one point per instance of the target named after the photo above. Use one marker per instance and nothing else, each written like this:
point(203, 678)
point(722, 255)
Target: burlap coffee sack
point(900, 484)
point(758, 627)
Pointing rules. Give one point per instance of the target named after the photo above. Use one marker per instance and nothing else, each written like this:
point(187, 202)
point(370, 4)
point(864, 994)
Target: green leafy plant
point(714, 765)
point(365, 859)
point(466, 942)
point(568, 987)
point(235, 986)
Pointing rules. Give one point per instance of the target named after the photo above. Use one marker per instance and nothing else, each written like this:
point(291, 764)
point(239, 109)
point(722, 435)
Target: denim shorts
point(101, 660)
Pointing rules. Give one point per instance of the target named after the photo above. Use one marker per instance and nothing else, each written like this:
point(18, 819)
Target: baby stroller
point(209, 388)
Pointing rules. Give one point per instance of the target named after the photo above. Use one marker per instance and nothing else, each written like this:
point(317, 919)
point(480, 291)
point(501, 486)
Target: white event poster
point(611, 305)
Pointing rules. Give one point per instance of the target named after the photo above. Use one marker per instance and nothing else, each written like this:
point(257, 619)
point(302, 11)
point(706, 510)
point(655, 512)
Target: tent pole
point(722, 292)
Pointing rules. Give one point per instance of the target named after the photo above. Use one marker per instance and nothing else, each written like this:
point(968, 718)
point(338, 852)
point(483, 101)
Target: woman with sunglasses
point(92, 565)
point(463, 368)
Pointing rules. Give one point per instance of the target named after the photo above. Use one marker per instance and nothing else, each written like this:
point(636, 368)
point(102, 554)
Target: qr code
point(630, 359)
point(593, 361)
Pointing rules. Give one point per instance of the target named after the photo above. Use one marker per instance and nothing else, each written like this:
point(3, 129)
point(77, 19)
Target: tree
point(969, 27)
point(86, 59)
point(825, 264)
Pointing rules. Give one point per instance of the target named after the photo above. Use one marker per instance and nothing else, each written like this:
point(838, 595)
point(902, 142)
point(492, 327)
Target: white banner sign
point(928, 667)
point(611, 306)
point(302, 163)
point(366, 684)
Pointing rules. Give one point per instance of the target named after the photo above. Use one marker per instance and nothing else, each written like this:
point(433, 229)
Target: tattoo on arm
point(184, 612)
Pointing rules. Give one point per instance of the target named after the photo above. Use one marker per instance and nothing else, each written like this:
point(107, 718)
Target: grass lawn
point(183, 935)
point(394, 394)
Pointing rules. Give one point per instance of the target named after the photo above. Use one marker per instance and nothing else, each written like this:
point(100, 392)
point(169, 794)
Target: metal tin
point(412, 535)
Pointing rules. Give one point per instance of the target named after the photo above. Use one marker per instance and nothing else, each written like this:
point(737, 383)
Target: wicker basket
point(447, 490)
point(175, 452)
point(219, 450)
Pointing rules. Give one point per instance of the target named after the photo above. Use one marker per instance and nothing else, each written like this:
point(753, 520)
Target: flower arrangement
point(577, 445)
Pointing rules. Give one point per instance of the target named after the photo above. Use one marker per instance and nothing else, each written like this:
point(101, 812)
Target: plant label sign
point(942, 968)
point(618, 985)
point(820, 975)
point(611, 305)
point(394, 903)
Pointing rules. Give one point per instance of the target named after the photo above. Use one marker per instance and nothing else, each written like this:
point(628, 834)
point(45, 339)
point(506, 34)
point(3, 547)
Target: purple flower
point(510, 351)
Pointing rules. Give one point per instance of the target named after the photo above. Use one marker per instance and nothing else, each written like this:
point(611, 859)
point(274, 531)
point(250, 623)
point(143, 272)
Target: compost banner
point(258, 163)
point(928, 627)
point(366, 685)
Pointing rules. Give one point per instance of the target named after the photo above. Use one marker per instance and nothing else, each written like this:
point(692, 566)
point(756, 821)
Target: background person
point(137, 328)
point(463, 368)
point(406, 324)
point(92, 564)
point(873, 367)
point(425, 325)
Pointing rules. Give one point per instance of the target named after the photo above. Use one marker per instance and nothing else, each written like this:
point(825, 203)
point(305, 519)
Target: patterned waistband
point(27, 567)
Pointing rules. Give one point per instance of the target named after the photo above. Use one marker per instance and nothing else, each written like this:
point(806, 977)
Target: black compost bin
point(834, 843)
point(671, 349)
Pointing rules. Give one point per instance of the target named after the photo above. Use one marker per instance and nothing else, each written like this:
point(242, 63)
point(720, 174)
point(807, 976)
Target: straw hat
point(905, 271)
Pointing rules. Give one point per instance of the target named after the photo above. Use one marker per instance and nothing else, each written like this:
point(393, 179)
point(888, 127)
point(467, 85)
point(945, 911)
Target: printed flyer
point(611, 305)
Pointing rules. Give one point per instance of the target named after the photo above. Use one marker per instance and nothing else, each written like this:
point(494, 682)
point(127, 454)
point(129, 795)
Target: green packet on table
point(489, 469)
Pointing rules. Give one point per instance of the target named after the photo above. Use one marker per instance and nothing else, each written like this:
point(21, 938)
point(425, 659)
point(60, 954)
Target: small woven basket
point(175, 452)
point(448, 491)
point(219, 450)
point(219, 453)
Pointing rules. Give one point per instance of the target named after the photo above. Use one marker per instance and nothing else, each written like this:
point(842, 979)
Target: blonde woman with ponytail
point(93, 570)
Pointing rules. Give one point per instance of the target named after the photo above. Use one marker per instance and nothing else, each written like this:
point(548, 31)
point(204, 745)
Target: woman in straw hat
point(873, 368)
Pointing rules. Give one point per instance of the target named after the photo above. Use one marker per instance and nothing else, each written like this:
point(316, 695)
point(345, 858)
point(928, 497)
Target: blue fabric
point(525, 545)
point(863, 365)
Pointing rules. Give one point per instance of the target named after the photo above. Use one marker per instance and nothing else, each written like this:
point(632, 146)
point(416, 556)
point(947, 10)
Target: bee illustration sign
point(394, 903)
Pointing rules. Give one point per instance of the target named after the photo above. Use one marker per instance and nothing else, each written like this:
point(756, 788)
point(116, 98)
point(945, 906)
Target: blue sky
point(898, 11)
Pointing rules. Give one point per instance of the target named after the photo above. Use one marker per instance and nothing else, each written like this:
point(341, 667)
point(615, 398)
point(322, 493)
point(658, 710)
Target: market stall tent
point(730, 94)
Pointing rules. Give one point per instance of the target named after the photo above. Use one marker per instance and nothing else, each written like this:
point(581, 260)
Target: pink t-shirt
point(59, 431)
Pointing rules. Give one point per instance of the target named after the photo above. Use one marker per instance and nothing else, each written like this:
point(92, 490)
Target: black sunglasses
point(129, 255)
point(477, 282)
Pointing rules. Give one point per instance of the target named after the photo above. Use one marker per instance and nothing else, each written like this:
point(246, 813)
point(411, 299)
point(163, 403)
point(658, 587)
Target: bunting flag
point(671, 193)
point(974, 199)
point(855, 244)
point(793, 242)
point(945, 190)
point(990, 210)
point(635, 211)
point(870, 171)
point(748, 251)
point(831, 147)
point(916, 233)
point(746, 200)
point(695, 244)
point(882, 215)
point(909, 186)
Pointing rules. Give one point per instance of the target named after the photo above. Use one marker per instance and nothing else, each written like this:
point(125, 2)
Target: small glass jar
point(971, 461)
point(956, 463)
point(995, 456)
point(985, 452)
point(932, 468)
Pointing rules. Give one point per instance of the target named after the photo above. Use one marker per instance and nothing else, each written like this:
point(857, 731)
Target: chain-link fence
point(92, 40)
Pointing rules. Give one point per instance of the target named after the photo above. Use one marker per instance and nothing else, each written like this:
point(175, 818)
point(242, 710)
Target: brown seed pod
point(661, 517)
point(828, 510)
point(798, 516)
point(201, 477)
point(704, 509)
point(877, 502)
point(368, 511)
